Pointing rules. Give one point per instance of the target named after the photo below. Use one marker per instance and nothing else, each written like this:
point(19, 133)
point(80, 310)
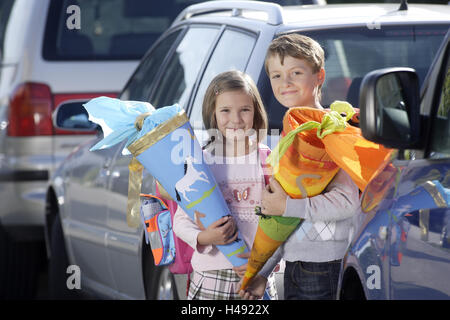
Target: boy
point(313, 253)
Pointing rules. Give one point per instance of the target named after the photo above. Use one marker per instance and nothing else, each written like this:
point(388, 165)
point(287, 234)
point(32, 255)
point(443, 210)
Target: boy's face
point(293, 83)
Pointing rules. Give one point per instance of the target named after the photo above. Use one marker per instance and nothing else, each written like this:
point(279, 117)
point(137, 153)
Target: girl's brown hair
point(232, 81)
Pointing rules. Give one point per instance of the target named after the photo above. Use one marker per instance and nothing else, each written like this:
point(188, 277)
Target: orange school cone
point(267, 242)
point(315, 144)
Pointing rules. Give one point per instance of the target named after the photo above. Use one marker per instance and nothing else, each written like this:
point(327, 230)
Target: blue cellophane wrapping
point(117, 117)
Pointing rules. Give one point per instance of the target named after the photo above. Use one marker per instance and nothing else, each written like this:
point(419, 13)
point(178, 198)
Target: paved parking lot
point(42, 290)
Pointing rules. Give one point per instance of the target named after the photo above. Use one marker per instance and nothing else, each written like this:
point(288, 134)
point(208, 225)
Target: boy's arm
point(339, 201)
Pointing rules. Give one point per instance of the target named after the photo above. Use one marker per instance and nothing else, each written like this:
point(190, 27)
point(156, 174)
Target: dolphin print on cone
point(315, 145)
point(168, 149)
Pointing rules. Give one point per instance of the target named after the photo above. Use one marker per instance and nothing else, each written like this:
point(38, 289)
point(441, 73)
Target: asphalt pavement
point(42, 286)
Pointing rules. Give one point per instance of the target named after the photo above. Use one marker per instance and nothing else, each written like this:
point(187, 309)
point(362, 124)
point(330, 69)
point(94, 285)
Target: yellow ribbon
point(140, 120)
point(156, 134)
point(135, 182)
point(136, 168)
point(134, 191)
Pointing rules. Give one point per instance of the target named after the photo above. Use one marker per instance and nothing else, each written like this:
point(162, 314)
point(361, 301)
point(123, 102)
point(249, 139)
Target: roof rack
point(273, 10)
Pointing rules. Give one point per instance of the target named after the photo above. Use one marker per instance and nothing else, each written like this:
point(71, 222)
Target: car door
point(419, 226)
point(173, 83)
point(86, 201)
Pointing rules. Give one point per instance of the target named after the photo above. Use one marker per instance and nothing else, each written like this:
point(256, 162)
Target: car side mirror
point(72, 116)
point(390, 107)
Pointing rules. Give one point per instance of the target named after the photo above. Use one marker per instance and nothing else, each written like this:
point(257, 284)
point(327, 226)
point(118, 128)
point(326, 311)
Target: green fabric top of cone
point(278, 228)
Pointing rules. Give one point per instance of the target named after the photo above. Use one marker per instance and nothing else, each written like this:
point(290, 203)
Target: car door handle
point(115, 174)
point(107, 163)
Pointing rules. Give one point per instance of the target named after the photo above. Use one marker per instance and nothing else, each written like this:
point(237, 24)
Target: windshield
point(107, 29)
point(350, 53)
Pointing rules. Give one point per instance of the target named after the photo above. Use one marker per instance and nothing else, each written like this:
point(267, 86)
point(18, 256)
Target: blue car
point(400, 244)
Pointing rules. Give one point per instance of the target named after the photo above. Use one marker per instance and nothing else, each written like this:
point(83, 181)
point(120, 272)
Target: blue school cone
point(180, 168)
point(163, 142)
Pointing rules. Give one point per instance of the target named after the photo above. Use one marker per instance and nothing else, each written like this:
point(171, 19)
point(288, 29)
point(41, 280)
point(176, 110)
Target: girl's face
point(234, 114)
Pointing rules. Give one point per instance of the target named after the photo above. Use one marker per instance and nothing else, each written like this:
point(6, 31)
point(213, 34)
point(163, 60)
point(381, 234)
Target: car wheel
point(20, 264)
point(159, 281)
point(162, 286)
point(351, 286)
point(58, 263)
point(166, 288)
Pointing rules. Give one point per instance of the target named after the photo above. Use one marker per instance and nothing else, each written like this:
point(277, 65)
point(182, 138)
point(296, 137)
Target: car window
point(440, 144)
point(138, 88)
point(350, 53)
point(5, 10)
point(106, 29)
point(181, 72)
point(223, 59)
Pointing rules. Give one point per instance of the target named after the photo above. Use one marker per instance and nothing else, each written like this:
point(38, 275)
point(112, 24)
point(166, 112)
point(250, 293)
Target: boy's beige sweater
point(324, 234)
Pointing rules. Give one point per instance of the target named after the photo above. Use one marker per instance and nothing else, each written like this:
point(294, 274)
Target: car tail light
point(31, 107)
point(30, 111)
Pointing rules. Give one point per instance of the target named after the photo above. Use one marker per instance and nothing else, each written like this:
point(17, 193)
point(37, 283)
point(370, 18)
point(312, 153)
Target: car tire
point(352, 287)
point(164, 287)
point(159, 281)
point(20, 263)
point(57, 266)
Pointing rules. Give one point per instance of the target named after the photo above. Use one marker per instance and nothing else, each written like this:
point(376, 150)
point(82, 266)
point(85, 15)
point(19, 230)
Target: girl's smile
point(234, 114)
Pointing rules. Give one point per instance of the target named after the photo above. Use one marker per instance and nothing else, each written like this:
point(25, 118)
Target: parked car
point(400, 248)
point(55, 52)
point(86, 197)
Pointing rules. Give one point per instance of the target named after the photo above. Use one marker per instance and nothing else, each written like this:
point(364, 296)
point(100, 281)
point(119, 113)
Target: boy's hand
point(273, 199)
point(255, 289)
point(241, 270)
point(223, 231)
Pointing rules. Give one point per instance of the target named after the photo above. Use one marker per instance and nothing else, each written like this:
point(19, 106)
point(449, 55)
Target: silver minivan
point(54, 52)
point(86, 220)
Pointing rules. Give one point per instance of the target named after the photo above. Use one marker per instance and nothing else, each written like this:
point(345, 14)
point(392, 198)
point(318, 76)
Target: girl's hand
point(273, 199)
point(221, 232)
point(255, 289)
point(241, 270)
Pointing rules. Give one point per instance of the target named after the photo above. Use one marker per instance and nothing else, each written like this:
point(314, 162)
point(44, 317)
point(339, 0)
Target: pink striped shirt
point(241, 182)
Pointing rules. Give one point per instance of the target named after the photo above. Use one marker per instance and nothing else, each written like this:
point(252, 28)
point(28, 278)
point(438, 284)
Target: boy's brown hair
point(297, 46)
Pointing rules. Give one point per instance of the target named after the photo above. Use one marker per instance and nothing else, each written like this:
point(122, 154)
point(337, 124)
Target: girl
point(236, 121)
